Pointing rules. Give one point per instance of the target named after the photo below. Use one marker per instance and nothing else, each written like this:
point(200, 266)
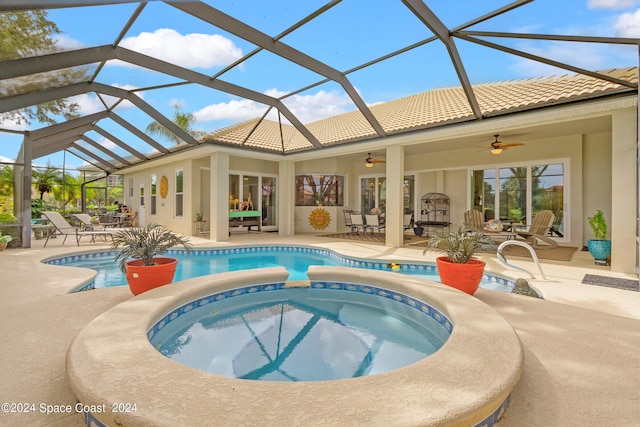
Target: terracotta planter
point(465, 277)
point(3, 246)
point(142, 278)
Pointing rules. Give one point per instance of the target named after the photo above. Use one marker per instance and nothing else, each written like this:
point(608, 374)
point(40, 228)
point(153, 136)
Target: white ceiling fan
point(370, 161)
point(498, 146)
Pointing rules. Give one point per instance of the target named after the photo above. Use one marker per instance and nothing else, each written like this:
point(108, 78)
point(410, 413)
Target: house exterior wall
point(601, 174)
point(165, 208)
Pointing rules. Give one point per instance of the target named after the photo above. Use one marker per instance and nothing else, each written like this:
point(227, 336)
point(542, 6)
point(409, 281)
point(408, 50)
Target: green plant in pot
point(600, 247)
point(4, 241)
point(457, 268)
point(139, 255)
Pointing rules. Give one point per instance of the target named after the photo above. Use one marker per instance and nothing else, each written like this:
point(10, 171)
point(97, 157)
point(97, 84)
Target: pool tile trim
point(348, 261)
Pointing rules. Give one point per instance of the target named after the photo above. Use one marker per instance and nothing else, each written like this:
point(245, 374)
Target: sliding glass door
point(517, 193)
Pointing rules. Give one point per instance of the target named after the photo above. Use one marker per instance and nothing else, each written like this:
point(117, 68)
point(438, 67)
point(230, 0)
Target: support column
point(219, 203)
point(286, 198)
point(395, 197)
point(22, 190)
point(623, 191)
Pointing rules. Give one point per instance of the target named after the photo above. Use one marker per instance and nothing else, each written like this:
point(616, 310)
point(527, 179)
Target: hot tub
point(466, 382)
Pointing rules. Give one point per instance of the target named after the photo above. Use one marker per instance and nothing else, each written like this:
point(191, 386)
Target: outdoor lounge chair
point(539, 231)
point(63, 228)
point(473, 220)
point(88, 225)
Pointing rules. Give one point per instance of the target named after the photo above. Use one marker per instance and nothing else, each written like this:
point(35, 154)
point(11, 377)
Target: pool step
point(297, 284)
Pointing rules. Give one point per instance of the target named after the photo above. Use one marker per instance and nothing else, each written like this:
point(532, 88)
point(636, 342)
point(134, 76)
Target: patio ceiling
point(113, 137)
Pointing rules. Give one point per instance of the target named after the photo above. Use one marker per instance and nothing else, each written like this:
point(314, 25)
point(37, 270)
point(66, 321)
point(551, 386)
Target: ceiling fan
point(498, 146)
point(370, 161)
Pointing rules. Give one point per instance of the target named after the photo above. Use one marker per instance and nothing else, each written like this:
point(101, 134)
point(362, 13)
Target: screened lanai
point(288, 79)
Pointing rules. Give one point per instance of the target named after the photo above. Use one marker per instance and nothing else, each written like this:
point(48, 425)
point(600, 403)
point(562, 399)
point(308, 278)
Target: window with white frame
point(517, 193)
point(319, 189)
point(373, 193)
point(179, 193)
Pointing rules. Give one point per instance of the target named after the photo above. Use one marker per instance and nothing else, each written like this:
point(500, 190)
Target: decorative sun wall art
point(319, 218)
point(164, 187)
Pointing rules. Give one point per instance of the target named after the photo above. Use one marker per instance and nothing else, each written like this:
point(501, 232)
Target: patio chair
point(357, 222)
point(473, 220)
point(372, 222)
point(539, 231)
point(63, 228)
point(129, 220)
point(347, 218)
point(407, 223)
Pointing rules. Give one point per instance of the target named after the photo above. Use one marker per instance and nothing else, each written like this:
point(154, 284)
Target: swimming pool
point(323, 332)
point(296, 259)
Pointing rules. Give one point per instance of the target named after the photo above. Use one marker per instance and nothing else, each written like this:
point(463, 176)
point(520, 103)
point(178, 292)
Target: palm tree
point(46, 178)
point(184, 120)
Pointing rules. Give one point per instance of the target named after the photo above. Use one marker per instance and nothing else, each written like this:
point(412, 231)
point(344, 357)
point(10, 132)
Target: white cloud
point(88, 103)
point(234, 110)
point(628, 24)
point(582, 55)
point(307, 108)
point(65, 42)
point(610, 4)
point(189, 51)
point(11, 125)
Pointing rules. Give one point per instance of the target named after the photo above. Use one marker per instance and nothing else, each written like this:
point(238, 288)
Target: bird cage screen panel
point(435, 211)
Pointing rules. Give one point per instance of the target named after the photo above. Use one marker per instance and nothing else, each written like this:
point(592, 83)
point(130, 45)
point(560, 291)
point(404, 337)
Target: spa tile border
point(414, 303)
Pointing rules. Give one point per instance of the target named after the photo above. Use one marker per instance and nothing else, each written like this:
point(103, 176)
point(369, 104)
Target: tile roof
point(427, 109)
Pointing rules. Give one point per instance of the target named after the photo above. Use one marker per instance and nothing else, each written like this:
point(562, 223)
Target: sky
point(350, 33)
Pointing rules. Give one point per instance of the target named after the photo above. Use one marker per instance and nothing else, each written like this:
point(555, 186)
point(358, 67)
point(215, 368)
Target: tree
point(27, 34)
point(184, 120)
point(6, 188)
point(45, 179)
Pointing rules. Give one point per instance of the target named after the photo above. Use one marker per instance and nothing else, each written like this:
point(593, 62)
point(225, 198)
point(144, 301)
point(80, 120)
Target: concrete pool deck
point(581, 344)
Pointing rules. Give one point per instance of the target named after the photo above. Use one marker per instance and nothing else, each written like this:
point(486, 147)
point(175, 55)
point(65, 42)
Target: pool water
point(299, 334)
point(295, 259)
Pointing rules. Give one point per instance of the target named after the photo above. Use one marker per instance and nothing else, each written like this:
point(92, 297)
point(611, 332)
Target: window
point(518, 193)
point(154, 193)
point(373, 193)
point(179, 193)
point(548, 192)
point(317, 189)
point(130, 187)
point(142, 195)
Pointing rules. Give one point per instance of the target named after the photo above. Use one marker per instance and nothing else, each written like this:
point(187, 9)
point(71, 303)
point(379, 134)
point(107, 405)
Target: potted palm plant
point(139, 256)
point(600, 247)
point(457, 268)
